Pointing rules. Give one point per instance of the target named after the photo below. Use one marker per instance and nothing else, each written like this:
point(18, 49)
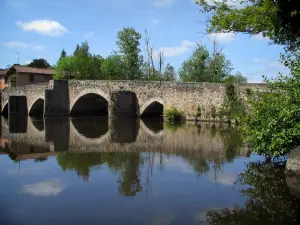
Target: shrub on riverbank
point(174, 115)
point(272, 126)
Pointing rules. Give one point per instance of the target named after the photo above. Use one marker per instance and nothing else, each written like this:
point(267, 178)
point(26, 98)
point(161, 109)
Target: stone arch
point(153, 107)
point(37, 108)
point(91, 127)
point(5, 109)
point(150, 132)
point(89, 103)
point(82, 142)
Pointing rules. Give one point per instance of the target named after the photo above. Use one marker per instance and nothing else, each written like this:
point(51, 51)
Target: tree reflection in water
point(128, 165)
point(268, 198)
point(125, 163)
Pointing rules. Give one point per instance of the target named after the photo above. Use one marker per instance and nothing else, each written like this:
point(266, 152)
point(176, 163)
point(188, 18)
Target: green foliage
point(129, 46)
point(113, 68)
point(233, 107)
point(63, 54)
point(268, 199)
point(39, 63)
point(199, 112)
point(272, 126)
point(203, 67)
point(213, 112)
point(238, 78)
point(169, 73)
point(81, 66)
point(174, 115)
point(173, 125)
point(276, 19)
point(194, 69)
point(65, 68)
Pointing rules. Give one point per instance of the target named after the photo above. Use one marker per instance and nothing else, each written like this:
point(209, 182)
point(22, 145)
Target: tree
point(112, 68)
point(65, 68)
point(218, 66)
point(237, 78)
point(63, 54)
point(169, 73)
point(82, 65)
point(268, 199)
point(194, 69)
point(276, 19)
point(272, 124)
point(149, 68)
point(129, 46)
point(39, 63)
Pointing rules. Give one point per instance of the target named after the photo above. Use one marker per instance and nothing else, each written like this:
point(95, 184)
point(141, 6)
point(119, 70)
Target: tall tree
point(82, 65)
point(129, 46)
point(112, 68)
point(63, 54)
point(169, 73)
point(276, 19)
point(194, 69)
point(218, 66)
point(39, 63)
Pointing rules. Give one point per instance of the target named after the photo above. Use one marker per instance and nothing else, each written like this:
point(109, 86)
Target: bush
point(213, 112)
point(272, 126)
point(199, 112)
point(174, 115)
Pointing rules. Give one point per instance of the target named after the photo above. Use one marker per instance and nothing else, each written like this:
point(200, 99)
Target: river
point(123, 171)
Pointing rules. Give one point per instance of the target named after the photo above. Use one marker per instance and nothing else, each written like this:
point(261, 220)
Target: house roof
point(27, 69)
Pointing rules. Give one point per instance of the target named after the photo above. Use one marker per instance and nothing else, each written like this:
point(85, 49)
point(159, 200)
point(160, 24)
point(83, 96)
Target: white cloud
point(258, 60)
point(88, 35)
point(184, 47)
point(155, 21)
point(27, 62)
point(269, 68)
point(43, 189)
point(223, 178)
point(163, 3)
point(45, 27)
point(259, 37)
point(223, 38)
point(18, 44)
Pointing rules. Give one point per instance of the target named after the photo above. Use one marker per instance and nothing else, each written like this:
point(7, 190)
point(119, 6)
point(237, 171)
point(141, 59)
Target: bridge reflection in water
point(25, 138)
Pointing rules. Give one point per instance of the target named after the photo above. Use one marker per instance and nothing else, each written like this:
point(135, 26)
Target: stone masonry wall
point(32, 93)
point(61, 96)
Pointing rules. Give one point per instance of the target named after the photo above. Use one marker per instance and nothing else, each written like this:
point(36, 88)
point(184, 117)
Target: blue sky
point(42, 28)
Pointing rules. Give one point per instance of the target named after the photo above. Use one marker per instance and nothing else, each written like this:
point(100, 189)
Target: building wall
point(25, 79)
point(2, 83)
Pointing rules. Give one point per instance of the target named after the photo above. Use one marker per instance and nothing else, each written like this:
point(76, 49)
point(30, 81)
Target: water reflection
point(175, 174)
point(86, 144)
point(268, 198)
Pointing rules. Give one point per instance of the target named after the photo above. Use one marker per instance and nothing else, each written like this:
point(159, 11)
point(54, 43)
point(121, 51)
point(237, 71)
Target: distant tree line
point(128, 63)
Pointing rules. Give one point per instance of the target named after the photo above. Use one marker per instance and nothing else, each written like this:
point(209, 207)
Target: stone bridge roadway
point(129, 98)
point(27, 138)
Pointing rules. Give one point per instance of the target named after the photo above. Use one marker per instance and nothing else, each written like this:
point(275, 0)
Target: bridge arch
point(37, 108)
point(89, 103)
point(5, 109)
point(153, 108)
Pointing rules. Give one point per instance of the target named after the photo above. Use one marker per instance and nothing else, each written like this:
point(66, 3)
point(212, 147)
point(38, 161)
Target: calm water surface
point(98, 171)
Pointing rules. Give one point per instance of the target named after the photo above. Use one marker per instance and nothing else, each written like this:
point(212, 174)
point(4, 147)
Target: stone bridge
point(115, 98)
